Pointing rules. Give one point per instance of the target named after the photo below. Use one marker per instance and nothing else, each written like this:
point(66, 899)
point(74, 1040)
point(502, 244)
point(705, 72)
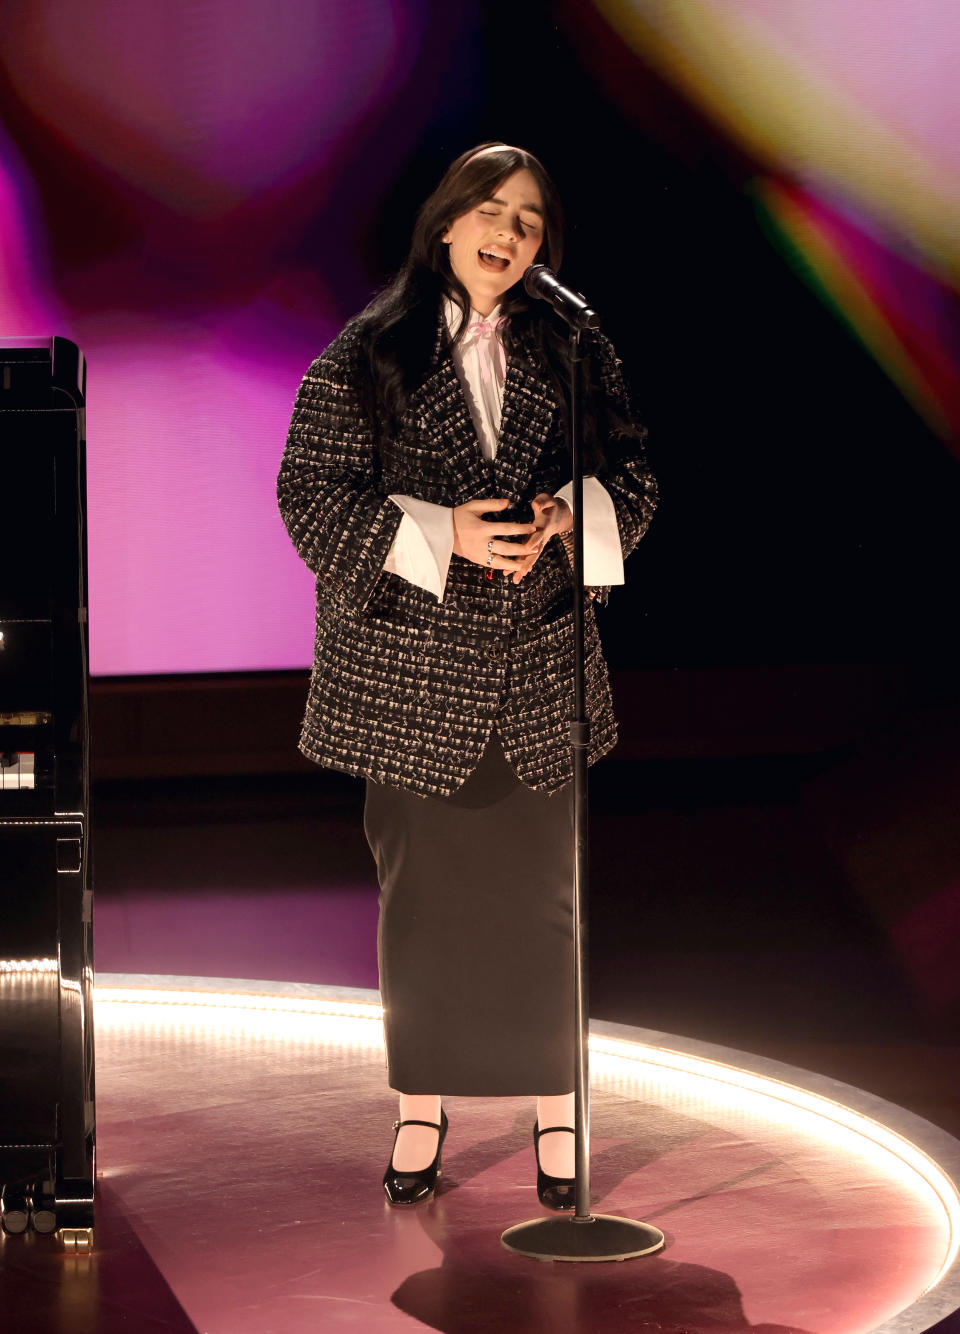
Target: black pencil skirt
point(475, 939)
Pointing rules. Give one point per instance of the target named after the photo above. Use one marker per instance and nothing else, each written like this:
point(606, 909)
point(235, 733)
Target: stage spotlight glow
point(831, 1121)
point(723, 1086)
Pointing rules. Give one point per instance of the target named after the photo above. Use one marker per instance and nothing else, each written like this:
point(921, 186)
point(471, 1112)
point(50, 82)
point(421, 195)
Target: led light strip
point(818, 1105)
point(237, 1000)
point(16, 967)
point(615, 1056)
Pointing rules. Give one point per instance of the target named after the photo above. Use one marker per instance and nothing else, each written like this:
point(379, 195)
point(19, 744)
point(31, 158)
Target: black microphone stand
point(582, 1235)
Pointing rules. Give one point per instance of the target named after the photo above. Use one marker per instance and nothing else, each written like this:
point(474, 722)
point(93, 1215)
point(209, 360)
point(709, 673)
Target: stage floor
point(243, 1133)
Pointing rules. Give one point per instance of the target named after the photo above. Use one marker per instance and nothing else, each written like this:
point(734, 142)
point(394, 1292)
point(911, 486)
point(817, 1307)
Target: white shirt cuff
point(602, 553)
point(423, 544)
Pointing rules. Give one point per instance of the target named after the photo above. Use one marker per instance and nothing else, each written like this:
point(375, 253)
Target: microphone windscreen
point(533, 279)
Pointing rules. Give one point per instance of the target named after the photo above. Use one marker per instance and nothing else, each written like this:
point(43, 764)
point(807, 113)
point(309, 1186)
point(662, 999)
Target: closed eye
point(494, 213)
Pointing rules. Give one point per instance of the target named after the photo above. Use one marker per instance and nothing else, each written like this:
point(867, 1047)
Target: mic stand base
point(596, 1237)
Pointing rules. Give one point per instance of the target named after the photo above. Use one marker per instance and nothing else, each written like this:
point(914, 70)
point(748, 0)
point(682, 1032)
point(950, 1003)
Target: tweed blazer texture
point(405, 689)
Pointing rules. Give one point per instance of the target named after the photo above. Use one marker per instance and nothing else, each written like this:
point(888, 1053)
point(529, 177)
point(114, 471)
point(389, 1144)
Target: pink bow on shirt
point(481, 332)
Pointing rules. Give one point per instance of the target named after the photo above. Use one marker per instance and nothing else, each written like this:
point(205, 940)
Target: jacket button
point(495, 651)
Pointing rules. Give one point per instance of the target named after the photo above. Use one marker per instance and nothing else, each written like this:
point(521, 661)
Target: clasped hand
point(472, 533)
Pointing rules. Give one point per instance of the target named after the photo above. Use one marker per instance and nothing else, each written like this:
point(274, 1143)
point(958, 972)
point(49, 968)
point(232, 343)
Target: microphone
point(541, 281)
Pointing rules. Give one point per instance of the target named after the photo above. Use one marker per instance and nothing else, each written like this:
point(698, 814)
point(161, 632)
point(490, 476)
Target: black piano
point(47, 1123)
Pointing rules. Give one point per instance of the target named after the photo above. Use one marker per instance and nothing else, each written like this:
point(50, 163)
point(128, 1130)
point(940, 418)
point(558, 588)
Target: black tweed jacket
point(406, 689)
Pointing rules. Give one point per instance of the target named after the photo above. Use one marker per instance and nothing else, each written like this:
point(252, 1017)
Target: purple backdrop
point(204, 140)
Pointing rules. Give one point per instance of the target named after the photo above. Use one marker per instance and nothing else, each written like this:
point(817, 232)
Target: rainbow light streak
point(777, 79)
point(889, 306)
point(849, 107)
point(723, 1086)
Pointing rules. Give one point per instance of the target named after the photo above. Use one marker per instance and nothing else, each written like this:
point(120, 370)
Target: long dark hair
point(398, 328)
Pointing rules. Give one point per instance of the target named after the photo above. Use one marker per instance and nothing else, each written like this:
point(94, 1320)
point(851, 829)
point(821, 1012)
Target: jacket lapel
point(529, 412)
point(527, 421)
point(440, 400)
point(442, 406)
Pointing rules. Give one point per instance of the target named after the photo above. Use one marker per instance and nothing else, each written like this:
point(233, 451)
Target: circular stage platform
point(244, 1127)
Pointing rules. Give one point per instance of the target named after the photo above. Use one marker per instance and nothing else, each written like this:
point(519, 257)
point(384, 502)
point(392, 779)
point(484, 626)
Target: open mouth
point(491, 262)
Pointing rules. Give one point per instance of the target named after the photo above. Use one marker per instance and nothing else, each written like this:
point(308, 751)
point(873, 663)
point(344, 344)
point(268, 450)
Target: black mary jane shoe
point(554, 1192)
point(414, 1187)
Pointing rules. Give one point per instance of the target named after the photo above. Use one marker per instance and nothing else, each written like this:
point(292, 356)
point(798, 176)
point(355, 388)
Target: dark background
point(808, 515)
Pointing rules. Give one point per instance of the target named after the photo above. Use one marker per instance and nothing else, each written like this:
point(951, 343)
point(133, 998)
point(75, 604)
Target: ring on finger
point(490, 557)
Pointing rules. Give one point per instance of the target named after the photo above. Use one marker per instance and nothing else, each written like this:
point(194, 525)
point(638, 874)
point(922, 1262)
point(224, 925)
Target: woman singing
point(425, 482)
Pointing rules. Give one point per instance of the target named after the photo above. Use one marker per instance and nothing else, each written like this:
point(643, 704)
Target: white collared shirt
point(423, 544)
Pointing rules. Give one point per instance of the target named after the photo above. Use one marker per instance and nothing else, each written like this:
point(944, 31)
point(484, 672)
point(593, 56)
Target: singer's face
point(492, 244)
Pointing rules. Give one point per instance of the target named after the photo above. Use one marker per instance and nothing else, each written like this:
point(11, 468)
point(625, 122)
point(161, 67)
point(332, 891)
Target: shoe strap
point(432, 1124)
point(549, 1129)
